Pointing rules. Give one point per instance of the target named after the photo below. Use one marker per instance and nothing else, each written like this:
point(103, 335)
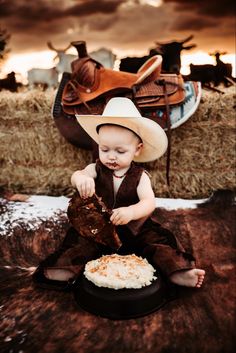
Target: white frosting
point(117, 271)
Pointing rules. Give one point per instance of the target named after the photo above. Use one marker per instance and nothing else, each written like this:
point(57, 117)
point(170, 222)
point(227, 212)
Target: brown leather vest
point(127, 193)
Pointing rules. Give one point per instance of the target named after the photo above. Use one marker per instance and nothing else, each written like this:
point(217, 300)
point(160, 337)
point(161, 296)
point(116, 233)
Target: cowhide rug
point(39, 320)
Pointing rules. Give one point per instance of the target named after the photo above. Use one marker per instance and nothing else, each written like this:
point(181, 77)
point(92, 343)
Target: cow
point(209, 74)
point(223, 71)
point(170, 53)
point(133, 64)
point(104, 56)
point(46, 77)
point(203, 73)
point(64, 60)
point(9, 83)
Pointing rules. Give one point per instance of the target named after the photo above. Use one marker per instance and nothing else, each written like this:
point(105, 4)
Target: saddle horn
point(81, 48)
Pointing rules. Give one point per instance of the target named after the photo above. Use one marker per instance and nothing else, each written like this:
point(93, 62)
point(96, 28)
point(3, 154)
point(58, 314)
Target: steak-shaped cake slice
point(91, 218)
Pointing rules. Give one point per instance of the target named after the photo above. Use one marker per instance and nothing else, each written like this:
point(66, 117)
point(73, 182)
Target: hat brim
point(154, 138)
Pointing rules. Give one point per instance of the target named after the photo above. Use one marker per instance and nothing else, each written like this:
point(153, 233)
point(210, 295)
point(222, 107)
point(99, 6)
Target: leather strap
point(167, 106)
point(162, 82)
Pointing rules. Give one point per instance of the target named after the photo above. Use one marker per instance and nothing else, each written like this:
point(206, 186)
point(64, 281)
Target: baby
point(124, 136)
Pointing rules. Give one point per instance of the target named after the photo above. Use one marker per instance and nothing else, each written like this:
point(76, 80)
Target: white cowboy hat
point(121, 111)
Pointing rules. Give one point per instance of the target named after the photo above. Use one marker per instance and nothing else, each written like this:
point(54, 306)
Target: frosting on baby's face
point(117, 147)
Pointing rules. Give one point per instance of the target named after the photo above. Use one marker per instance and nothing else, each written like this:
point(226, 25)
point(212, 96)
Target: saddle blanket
point(179, 114)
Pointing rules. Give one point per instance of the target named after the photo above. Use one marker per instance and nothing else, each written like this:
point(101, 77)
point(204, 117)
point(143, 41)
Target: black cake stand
point(120, 304)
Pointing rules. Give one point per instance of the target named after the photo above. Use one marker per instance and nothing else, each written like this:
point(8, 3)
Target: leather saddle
point(91, 85)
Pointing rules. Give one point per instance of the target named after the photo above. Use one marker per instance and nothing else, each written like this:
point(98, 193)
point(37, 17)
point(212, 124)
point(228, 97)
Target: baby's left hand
point(122, 215)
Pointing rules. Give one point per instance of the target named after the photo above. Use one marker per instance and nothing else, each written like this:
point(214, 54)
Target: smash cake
point(117, 271)
point(120, 287)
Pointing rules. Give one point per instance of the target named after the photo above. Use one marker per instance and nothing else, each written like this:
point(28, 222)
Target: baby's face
point(117, 146)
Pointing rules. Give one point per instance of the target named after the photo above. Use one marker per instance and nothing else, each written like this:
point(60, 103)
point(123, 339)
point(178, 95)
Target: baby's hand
point(122, 215)
point(85, 185)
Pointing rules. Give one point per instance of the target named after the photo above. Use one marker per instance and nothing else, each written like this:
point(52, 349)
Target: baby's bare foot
point(189, 278)
point(58, 274)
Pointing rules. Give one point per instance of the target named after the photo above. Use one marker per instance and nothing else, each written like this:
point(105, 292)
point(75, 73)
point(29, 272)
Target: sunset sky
point(128, 27)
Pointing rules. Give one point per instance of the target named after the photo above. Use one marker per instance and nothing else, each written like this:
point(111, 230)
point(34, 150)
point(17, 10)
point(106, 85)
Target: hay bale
point(36, 159)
